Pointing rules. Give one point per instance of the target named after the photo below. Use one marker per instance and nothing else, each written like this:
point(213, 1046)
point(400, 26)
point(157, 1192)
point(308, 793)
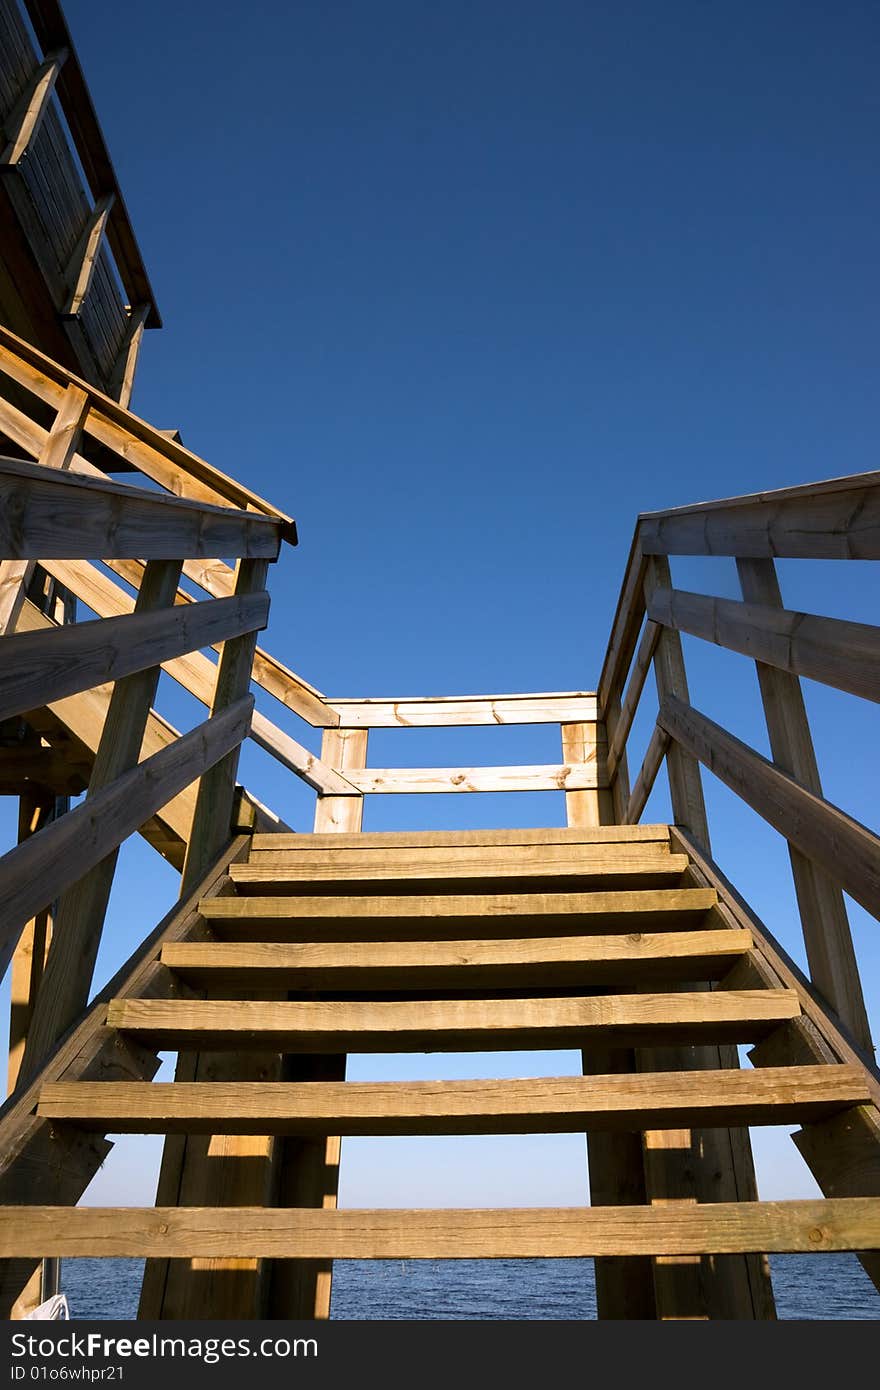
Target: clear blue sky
point(464, 287)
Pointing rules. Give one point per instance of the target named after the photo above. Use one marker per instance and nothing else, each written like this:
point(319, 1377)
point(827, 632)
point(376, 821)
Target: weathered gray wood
point(484, 1024)
point(46, 514)
point(80, 913)
point(39, 667)
point(824, 920)
point(35, 873)
point(566, 1104)
point(847, 850)
point(842, 654)
point(834, 520)
point(851, 1223)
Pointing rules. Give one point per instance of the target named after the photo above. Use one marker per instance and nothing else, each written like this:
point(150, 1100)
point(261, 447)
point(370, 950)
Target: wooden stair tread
point(779, 1095)
point(843, 1223)
point(649, 870)
point(499, 914)
point(412, 839)
point(694, 955)
point(427, 1025)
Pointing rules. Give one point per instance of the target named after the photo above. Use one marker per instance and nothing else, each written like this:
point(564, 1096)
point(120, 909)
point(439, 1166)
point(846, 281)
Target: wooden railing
point(831, 852)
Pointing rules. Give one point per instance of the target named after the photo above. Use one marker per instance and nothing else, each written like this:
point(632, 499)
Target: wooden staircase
point(302, 948)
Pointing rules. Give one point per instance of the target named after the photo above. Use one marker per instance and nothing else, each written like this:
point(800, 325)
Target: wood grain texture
point(543, 778)
point(460, 710)
point(46, 514)
point(845, 849)
point(536, 1106)
point(634, 958)
point(484, 1024)
point(576, 1233)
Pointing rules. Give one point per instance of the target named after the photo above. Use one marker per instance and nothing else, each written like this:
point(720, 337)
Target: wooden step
point(334, 917)
point(639, 867)
point(545, 1105)
point(462, 1024)
point(636, 958)
point(724, 1228)
point(437, 839)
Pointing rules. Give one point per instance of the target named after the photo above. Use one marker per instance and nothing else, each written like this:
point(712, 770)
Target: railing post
point(824, 920)
point(685, 784)
point(587, 743)
point(342, 749)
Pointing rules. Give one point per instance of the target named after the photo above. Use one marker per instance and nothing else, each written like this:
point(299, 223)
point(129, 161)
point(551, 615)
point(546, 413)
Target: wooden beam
point(449, 916)
point(36, 809)
point(847, 1223)
point(24, 121)
point(834, 520)
point(625, 627)
point(456, 1024)
point(345, 751)
point(81, 270)
point(656, 751)
point(36, 872)
point(57, 451)
point(122, 383)
point(585, 746)
point(164, 460)
point(50, 665)
point(845, 849)
point(824, 920)
point(635, 958)
point(45, 514)
point(457, 710)
point(269, 673)
point(841, 654)
point(555, 835)
point(35, 1158)
point(559, 1104)
point(640, 669)
point(80, 913)
point(554, 777)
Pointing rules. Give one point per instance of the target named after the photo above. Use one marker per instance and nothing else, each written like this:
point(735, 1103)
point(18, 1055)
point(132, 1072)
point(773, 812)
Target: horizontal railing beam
point(39, 870)
point(846, 849)
point(834, 520)
point(554, 777)
point(838, 653)
point(460, 710)
point(40, 667)
point(47, 514)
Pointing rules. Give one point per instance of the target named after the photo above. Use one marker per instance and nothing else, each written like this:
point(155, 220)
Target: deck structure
point(288, 951)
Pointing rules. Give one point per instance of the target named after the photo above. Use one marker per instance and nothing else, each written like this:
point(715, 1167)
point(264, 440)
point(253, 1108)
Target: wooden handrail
point(842, 654)
point(38, 870)
point(135, 441)
point(49, 514)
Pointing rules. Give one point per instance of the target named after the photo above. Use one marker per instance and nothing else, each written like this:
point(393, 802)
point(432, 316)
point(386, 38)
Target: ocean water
point(814, 1287)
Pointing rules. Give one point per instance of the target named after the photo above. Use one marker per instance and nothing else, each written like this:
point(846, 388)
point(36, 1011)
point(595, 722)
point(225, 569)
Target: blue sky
point(464, 287)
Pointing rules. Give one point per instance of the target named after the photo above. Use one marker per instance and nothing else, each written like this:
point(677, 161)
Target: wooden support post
point(81, 910)
point(228, 1170)
point(23, 124)
point(122, 382)
point(61, 444)
point(85, 257)
point(624, 1287)
point(342, 749)
point(586, 743)
point(711, 1165)
point(824, 920)
point(36, 809)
